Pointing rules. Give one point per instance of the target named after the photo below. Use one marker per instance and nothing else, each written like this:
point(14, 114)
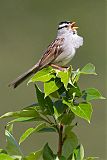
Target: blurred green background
point(26, 29)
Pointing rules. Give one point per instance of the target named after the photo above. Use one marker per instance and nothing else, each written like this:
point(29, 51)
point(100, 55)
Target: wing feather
point(53, 51)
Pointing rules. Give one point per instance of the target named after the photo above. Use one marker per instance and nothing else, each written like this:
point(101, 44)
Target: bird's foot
point(58, 67)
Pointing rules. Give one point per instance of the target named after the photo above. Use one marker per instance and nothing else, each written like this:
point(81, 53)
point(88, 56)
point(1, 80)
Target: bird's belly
point(65, 57)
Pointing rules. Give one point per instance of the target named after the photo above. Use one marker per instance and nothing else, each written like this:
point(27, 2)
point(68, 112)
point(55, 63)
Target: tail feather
point(24, 76)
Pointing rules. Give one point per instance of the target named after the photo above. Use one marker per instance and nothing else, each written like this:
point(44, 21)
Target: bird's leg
point(58, 67)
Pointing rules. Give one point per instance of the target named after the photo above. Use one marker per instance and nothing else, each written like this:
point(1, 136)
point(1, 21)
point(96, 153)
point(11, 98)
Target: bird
point(59, 53)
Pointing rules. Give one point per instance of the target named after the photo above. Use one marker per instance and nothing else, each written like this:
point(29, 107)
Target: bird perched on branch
point(58, 53)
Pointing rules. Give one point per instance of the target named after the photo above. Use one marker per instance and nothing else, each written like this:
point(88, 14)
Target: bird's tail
point(24, 76)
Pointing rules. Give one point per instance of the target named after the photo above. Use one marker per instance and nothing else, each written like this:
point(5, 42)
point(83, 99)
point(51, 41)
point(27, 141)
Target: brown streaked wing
point(52, 52)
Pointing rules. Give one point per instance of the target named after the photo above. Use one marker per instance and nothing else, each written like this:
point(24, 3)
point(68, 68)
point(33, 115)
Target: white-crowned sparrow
point(58, 53)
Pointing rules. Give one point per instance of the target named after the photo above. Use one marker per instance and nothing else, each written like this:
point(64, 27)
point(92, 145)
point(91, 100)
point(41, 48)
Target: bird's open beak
point(73, 26)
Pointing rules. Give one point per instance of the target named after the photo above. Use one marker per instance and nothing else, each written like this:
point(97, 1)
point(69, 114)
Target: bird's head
point(67, 26)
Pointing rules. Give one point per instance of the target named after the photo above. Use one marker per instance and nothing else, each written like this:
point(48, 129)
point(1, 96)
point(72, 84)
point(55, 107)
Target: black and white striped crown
point(63, 24)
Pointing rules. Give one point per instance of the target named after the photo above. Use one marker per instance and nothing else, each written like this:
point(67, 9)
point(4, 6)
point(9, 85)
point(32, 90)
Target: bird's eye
point(74, 32)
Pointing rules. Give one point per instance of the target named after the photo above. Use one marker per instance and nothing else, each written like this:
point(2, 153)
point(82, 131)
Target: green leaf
point(91, 94)
point(25, 119)
point(35, 155)
point(3, 151)
point(9, 127)
point(65, 76)
point(75, 76)
point(79, 152)
point(69, 145)
point(26, 134)
point(29, 131)
point(40, 97)
point(28, 114)
point(61, 158)
point(66, 118)
point(47, 129)
point(61, 90)
point(88, 69)
point(47, 153)
point(73, 157)
point(68, 129)
point(43, 75)
point(5, 157)
point(83, 110)
point(60, 107)
point(74, 89)
point(17, 157)
point(23, 113)
point(49, 105)
point(12, 147)
point(55, 95)
point(51, 86)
